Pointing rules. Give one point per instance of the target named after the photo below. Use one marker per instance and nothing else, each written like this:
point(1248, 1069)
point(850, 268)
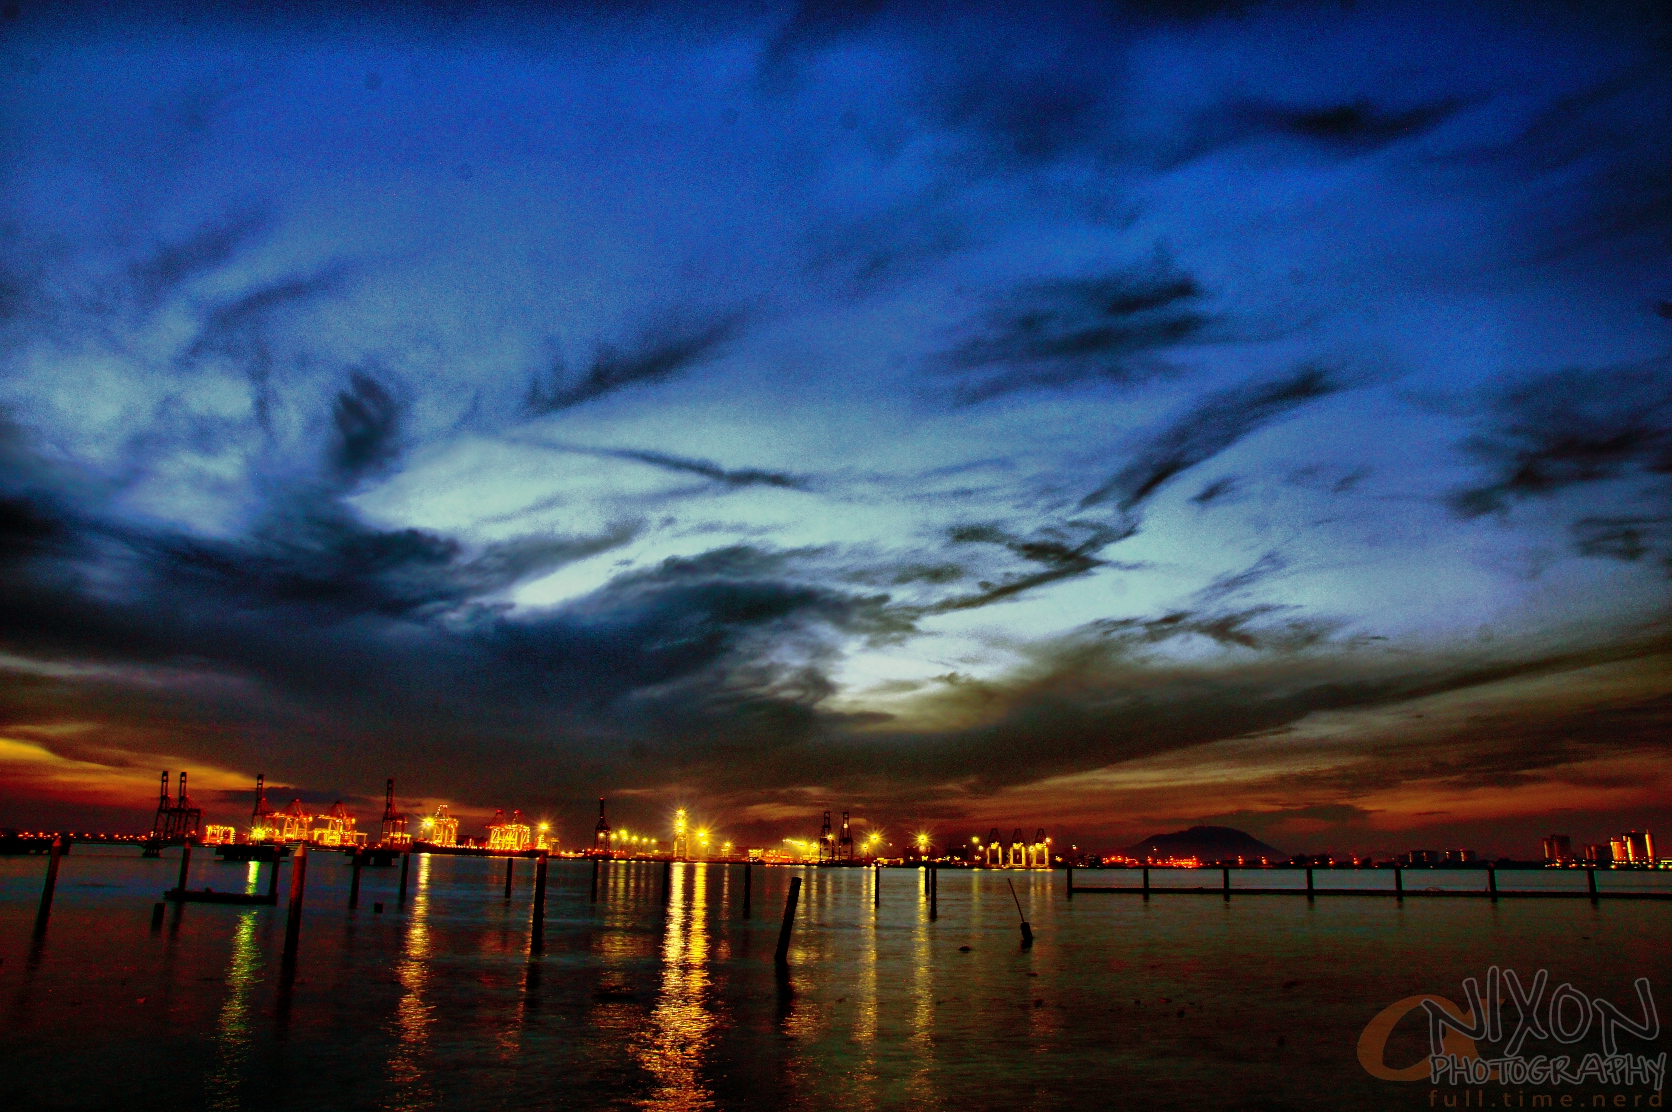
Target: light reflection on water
point(681, 1023)
point(414, 1013)
point(669, 1000)
point(232, 1027)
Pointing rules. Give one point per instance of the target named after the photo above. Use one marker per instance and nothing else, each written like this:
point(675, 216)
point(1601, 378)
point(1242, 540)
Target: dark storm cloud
point(1059, 332)
point(162, 272)
point(366, 417)
point(737, 477)
point(1604, 139)
point(1264, 568)
point(1358, 125)
point(1065, 552)
point(1550, 432)
point(700, 647)
point(1212, 425)
point(659, 354)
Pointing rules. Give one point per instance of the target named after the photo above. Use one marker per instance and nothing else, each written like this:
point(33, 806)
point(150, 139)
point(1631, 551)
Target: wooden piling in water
point(185, 864)
point(272, 882)
point(537, 933)
point(594, 880)
point(748, 883)
point(782, 956)
point(354, 884)
point(1071, 882)
point(1309, 889)
point(876, 884)
point(1399, 883)
point(1591, 884)
point(1027, 929)
point(298, 885)
point(1226, 882)
point(51, 885)
point(157, 916)
point(934, 892)
point(510, 866)
point(1492, 882)
point(406, 863)
point(1146, 882)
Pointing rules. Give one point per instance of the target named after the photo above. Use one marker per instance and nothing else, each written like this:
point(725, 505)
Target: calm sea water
point(1180, 1002)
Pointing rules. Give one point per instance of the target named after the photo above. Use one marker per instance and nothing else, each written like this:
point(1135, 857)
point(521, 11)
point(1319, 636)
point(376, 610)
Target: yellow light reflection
point(682, 1027)
point(414, 1015)
point(232, 1027)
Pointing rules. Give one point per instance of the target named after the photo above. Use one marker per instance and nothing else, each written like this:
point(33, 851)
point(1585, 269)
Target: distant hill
point(1205, 843)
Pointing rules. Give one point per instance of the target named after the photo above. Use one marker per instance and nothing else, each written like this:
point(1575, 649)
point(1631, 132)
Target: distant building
point(1598, 854)
point(1420, 857)
point(1558, 849)
point(1634, 847)
point(1460, 856)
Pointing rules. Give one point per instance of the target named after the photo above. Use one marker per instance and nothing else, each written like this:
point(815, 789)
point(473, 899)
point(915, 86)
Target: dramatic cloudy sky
point(1103, 419)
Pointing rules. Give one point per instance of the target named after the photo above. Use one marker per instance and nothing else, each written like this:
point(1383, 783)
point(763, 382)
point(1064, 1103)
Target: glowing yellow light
point(543, 826)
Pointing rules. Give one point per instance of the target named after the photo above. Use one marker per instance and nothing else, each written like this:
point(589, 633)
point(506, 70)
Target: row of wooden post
point(1311, 887)
point(299, 881)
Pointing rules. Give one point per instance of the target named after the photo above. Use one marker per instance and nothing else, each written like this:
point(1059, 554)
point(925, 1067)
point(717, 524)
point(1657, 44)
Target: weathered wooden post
point(537, 939)
point(273, 881)
point(1071, 882)
point(748, 882)
point(298, 885)
point(1309, 889)
point(876, 884)
point(157, 916)
point(1146, 882)
point(594, 880)
point(185, 864)
point(510, 864)
point(406, 864)
point(1399, 884)
point(1027, 930)
point(354, 883)
point(1225, 880)
point(934, 892)
point(1492, 881)
point(1591, 883)
point(51, 885)
point(782, 957)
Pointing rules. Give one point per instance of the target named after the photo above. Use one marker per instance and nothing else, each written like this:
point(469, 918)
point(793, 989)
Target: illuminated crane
point(512, 836)
point(176, 820)
point(827, 842)
point(393, 832)
point(681, 836)
point(336, 828)
point(601, 833)
point(440, 829)
point(262, 819)
point(1039, 853)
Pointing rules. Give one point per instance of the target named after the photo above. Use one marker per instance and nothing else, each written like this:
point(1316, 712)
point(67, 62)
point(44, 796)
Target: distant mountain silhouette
point(1205, 843)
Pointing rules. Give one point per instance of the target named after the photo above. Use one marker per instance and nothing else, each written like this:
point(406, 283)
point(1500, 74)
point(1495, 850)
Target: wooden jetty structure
point(1491, 890)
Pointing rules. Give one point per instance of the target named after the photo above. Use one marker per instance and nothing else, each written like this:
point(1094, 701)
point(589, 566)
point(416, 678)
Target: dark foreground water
point(1181, 1002)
